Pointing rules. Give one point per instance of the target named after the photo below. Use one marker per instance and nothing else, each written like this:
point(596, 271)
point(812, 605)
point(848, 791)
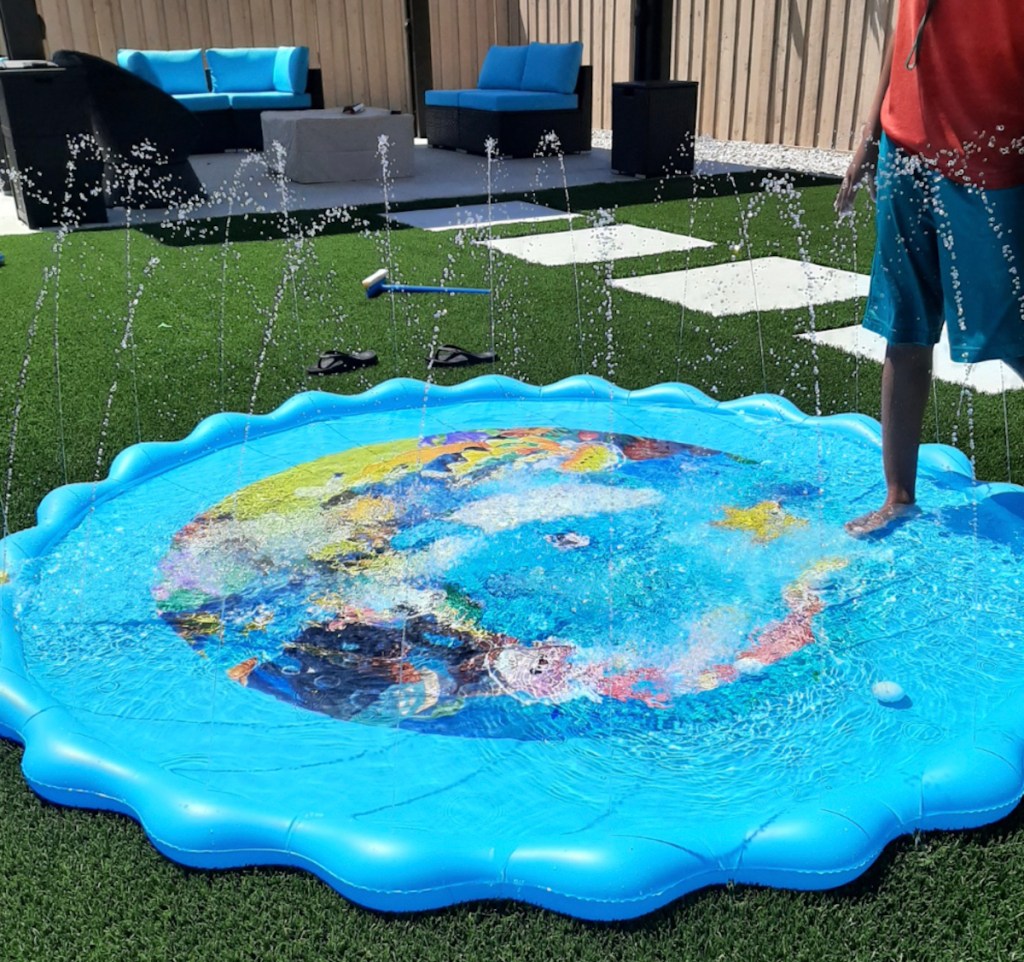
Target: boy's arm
point(865, 157)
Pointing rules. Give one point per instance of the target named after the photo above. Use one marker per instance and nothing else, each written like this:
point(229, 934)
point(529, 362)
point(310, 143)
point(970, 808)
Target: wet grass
point(115, 336)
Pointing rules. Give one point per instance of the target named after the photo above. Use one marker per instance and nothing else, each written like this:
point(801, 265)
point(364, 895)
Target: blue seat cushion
point(242, 69)
point(442, 98)
point(505, 100)
point(553, 67)
point(173, 71)
point(269, 100)
point(503, 68)
point(198, 103)
point(291, 68)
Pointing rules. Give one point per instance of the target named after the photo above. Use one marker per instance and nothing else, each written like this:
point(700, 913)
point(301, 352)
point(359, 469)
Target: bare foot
point(883, 521)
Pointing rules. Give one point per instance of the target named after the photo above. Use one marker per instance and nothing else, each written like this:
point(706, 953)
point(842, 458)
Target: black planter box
point(653, 127)
point(40, 109)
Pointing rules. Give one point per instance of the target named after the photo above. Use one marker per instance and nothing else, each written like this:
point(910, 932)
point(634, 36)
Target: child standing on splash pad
point(945, 138)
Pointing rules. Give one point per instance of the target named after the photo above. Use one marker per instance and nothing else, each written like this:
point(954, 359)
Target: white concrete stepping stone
point(743, 287)
point(592, 244)
point(985, 377)
point(479, 215)
point(9, 221)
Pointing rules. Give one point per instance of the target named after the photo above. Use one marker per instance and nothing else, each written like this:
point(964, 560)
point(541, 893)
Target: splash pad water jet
point(577, 646)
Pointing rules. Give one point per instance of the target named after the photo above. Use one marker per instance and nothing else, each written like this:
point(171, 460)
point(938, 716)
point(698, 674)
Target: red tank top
point(962, 106)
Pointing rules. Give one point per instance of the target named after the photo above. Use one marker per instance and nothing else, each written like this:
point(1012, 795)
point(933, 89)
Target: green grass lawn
point(112, 337)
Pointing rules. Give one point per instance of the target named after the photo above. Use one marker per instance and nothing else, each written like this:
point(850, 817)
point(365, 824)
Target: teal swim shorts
point(946, 253)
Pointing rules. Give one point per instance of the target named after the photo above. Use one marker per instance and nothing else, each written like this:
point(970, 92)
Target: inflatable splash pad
point(576, 646)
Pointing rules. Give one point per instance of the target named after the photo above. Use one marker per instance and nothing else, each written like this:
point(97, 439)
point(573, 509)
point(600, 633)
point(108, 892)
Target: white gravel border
point(809, 160)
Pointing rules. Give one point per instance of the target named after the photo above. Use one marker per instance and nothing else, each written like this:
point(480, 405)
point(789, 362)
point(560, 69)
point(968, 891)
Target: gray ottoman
point(322, 146)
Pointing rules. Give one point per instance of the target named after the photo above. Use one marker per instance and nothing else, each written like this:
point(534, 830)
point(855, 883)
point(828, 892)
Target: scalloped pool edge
point(594, 876)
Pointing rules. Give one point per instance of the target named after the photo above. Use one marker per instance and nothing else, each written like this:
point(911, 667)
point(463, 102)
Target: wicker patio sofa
point(523, 95)
point(228, 93)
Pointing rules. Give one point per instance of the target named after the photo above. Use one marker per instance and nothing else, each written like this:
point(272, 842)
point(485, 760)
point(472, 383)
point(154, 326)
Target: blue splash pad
point(581, 647)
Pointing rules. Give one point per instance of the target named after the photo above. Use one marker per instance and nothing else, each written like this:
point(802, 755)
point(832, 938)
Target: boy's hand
point(860, 173)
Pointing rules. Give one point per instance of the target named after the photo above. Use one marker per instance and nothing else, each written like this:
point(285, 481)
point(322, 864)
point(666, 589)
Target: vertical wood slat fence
point(799, 72)
point(796, 72)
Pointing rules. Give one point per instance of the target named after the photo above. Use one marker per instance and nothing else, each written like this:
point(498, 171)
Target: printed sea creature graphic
point(766, 521)
point(568, 540)
point(408, 582)
point(780, 638)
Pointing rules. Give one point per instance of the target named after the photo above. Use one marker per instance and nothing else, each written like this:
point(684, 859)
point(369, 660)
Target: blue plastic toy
point(577, 646)
point(376, 284)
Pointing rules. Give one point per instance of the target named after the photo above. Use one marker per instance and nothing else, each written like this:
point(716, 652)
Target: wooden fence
point(798, 72)
point(774, 71)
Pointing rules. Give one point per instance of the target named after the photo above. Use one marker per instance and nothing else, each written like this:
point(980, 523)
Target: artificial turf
point(115, 336)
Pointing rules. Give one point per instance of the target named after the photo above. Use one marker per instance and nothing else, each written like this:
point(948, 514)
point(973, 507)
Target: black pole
point(417, 28)
point(652, 39)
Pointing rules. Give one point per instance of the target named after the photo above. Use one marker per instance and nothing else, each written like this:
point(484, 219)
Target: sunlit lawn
point(112, 337)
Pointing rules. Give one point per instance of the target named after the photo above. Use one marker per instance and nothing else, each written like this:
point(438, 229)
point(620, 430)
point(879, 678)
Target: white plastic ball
point(887, 692)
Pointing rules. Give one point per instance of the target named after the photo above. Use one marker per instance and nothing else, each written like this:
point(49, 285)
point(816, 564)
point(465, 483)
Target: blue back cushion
point(173, 71)
point(242, 69)
point(291, 68)
point(133, 61)
point(553, 67)
point(502, 68)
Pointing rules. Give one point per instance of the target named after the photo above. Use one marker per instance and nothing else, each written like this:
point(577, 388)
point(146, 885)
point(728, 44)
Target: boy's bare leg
point(906, 379)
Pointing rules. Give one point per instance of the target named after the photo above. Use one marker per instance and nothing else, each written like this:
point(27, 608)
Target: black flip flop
point(448, 355)
point(341, 362)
